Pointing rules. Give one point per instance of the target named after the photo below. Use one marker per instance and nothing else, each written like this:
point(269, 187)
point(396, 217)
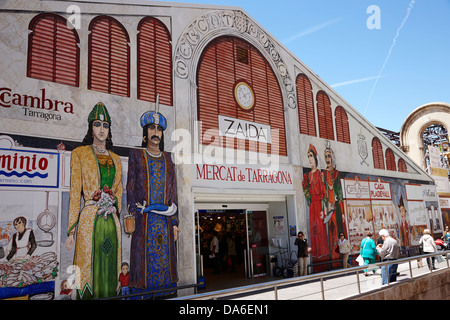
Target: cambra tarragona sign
point(22, 168)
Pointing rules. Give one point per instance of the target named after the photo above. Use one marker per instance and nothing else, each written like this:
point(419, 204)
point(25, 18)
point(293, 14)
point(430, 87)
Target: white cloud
point(312, 30)
point(346, 83)
point(394, 42)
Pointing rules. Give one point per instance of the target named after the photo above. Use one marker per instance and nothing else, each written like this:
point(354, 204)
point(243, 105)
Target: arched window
point(325, 116)
point(226, 62)
point(154, 63)
point(305, 102)
point(53, 51)
point(402, 165)
point(377, 152)
point(390, 160)
point(109, 57)
point(342, 129)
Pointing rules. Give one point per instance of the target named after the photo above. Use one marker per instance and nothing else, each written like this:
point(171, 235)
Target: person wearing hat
point(314, 189)
point(333, 197)
point(96, 174)
point(152, 199)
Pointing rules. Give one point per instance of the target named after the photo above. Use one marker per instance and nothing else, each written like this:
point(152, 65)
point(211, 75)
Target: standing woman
point(96, 173)
point(344, 250)
point(368, 251)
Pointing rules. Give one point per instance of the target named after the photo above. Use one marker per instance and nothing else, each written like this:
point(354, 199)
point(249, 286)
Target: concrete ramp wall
point(434, 286)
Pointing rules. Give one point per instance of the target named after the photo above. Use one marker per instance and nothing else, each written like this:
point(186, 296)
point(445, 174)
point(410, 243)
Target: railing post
point(321, 286)
point(276, 292)
point(359, 284)
point(387, 273)
point(430, 264)
point(410, 269)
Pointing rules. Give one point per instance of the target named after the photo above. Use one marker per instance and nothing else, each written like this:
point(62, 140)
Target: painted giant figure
point(334, 206)
point(96, 174)
point(152, 199)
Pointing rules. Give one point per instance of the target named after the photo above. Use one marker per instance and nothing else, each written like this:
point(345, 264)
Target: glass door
point(257, 243)
point(198, 250)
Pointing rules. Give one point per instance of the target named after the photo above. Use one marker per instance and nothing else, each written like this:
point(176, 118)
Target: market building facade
point(256, 147)
point(424, 138)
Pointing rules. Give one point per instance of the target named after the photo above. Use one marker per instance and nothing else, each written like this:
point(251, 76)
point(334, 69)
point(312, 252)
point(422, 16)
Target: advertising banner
point(22, 168)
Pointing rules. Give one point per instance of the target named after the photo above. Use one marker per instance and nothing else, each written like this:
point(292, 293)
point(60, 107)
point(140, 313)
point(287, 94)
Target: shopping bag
point(440, 258)
point(360, 260)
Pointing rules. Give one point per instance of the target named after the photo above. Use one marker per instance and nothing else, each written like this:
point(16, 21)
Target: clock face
point(244, 95)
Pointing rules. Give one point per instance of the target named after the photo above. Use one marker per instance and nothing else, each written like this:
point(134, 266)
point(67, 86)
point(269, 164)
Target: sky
point(385, 58)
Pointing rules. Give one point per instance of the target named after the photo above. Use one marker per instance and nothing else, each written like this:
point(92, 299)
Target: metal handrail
point(275, 285)
point(151, 292)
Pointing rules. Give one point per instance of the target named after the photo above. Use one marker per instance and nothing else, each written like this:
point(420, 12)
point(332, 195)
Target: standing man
point(302, 254)
point(215, 252)
point(152, 199)
point(388, 252)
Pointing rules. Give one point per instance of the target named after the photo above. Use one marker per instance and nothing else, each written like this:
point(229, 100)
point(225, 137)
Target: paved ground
point(336, 287)
point(342, 287)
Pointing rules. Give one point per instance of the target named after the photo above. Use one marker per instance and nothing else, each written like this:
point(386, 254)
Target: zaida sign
point(21, 168)
point(245, 130)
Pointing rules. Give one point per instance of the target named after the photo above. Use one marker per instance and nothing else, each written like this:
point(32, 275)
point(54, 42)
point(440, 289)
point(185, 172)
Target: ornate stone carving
point(226, 22)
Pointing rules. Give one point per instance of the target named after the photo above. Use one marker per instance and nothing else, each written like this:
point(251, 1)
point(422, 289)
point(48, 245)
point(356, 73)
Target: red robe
point(319, 239)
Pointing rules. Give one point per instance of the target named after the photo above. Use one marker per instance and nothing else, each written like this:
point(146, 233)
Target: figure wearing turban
point(152, 199)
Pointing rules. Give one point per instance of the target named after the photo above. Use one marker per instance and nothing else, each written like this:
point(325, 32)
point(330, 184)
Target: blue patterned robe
point(153, 262)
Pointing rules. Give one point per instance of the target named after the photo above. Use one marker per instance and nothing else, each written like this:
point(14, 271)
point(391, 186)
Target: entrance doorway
point(242, 235)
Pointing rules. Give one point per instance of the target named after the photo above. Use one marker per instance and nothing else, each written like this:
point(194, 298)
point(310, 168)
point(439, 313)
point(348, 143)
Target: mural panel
point(405, 208)
point(28, 259)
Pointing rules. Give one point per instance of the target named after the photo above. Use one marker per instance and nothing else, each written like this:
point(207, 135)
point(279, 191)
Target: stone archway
point(218, 23)
point(411, 133)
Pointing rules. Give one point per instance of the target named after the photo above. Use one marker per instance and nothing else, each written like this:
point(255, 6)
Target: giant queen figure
point(152, 199)
point(96, 175)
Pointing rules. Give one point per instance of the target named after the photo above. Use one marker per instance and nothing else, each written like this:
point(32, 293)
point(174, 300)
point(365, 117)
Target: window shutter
point(342, 128)
point(377, 152)
point(109, 57)
point(325, 116)
point(305, 103)
point(221, 66)
point(53, 52)
point(154, 62)
point(390, 160)
point(402, 165)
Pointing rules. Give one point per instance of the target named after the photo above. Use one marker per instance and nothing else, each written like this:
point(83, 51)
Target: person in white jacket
point(428, 247)
point(344, 250)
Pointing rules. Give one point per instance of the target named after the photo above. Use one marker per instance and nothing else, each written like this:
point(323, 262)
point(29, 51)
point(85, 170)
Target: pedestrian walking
point(368, 251)
point(215, 253)
point(388, 251)
point(429, 246)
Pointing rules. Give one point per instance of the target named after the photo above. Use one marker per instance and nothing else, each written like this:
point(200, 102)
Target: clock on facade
point(244, 95)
